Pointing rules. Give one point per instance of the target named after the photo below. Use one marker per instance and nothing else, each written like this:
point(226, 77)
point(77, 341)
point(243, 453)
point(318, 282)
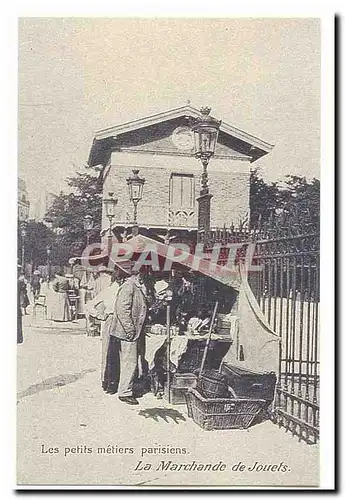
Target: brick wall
point(230, 189)
point(152, 209)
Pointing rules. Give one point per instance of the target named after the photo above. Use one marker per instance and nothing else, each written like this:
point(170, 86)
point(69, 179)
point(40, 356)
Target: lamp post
point(135, 188)
point(109, 208)
point(205, 130)
point(49, 249)
point(23, 227)
point(88, 225)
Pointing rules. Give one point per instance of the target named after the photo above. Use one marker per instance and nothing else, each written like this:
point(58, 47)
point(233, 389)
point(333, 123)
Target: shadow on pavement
point(52, 382)
point(162, 413)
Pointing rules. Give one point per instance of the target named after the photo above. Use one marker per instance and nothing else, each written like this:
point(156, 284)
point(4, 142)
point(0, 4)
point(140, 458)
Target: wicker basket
point(212, 384)
point(225, 413)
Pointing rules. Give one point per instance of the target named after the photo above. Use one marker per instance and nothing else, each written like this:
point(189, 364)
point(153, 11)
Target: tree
point(263, 198)
point(38, 237)
point(301, 198)
point(68, 211)
point(296, 197)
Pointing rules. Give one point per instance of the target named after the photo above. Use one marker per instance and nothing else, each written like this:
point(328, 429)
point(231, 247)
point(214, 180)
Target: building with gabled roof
point(161, 146)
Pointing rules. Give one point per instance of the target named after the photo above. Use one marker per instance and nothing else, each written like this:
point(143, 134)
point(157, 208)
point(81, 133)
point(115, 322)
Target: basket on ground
point(212, 384)
point(222, 413)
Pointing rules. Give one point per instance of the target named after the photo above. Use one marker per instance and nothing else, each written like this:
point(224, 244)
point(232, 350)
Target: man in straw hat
point(128, 327)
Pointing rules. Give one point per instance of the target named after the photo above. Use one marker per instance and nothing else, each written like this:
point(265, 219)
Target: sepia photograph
point(168, 252)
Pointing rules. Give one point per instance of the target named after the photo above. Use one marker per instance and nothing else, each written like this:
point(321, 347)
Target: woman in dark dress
point(19, 311)
point(23, 294)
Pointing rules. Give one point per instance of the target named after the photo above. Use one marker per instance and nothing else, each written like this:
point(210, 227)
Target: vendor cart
point(174, 345)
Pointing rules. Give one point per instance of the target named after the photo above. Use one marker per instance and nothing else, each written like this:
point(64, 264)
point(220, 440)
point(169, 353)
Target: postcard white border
point(130, 8)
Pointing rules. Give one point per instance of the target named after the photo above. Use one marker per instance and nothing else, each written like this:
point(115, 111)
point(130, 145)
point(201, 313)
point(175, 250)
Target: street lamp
point(23, 227)
point(135, 188)
point(109, 208)
point(205, 130)
point(88, 225)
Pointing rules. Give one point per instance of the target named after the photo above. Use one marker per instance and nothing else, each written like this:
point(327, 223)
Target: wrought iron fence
point(287, 290)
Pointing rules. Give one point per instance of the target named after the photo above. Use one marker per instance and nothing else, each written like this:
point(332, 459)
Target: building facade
point(162, 148)
point(42, 205)
point(23, 201)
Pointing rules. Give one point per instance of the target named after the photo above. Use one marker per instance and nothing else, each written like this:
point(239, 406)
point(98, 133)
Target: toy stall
point(193, 352)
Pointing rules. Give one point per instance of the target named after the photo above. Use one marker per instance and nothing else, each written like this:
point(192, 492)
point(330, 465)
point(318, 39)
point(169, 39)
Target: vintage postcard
point(169, 252)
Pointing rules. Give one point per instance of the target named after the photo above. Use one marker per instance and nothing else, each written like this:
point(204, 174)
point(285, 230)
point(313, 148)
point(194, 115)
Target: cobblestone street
point(63, 414)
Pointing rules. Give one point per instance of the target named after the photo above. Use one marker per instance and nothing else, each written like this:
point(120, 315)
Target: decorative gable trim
point(179, 153)
point(113, 138)
point(187, 111)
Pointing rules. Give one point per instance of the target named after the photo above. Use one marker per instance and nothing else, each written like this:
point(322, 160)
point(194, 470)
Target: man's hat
point(161, 286)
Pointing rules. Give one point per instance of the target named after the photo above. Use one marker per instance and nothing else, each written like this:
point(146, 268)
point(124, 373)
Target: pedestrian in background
point(19, 310)
point(23, 294)
point(36, 284)
point(87, 293)
point(103, 279)
point(58, 301)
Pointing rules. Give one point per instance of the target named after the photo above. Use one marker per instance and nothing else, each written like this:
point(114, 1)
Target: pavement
point(38, 322)
point(69, 432)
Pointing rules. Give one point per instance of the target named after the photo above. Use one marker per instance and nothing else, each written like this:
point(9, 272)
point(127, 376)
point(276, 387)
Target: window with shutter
point(181, 200)
point(182, 190)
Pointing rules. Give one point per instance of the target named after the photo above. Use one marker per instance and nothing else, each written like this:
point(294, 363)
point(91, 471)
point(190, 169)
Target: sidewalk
point(100, 441)
point(76, 327)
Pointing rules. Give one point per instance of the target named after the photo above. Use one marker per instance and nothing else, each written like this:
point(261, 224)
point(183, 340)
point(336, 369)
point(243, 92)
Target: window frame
point(175, 175)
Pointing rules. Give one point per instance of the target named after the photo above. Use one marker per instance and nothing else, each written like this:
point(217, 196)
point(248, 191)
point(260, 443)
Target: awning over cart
point(157, 256)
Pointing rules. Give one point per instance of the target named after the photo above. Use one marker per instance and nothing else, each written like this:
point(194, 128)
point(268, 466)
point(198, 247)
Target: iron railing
point(287, 290)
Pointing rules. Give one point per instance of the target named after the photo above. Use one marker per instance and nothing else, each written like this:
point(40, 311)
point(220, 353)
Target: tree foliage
point(68, 211)
point(297, 197)
point(263, 198)
point(301, 197)
point(38, 237)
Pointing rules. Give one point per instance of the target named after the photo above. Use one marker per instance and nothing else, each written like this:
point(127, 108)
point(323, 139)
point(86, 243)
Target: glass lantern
point(135, 186)
point(109, 205)
point(205, 130)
